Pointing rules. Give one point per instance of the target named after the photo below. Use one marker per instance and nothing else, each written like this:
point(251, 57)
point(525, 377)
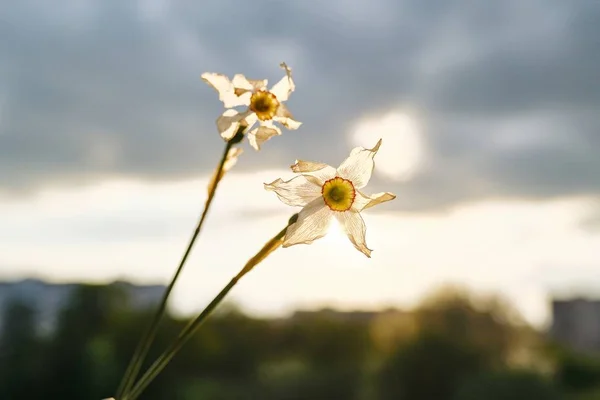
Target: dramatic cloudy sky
point(488, 111)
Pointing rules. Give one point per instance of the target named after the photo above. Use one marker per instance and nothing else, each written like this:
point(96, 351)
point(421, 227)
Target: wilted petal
point(358, 167)
point(354, 226)
point(225, 88)
point(289, 123)
point(230, 161)
point(258, 84)
point(285, 86)
point(312, 224)
point(229, 122)
point(296, 192)
point(285, 118)
point(302, 166)
point(316, 172)
point(363, 201)
point(264, 132)
point(219, 82)
point(239, 81)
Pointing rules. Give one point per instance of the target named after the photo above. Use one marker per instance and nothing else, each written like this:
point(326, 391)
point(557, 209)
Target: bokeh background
point(491, 140)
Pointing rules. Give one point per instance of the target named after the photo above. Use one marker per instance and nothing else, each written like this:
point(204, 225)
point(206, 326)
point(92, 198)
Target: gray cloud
point(106, 88)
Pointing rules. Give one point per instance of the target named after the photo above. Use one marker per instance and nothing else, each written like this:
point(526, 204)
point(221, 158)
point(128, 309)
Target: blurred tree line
point(453, 346)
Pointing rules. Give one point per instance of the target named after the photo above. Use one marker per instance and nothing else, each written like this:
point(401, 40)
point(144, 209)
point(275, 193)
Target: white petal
point(251, 119)
point(302, 166)
point(285, 86)
point(258, 84)
point(312, 224)
point(264, 132)
point(225, 88)
point(363, 201)
point(285, 118)
point(358, 167)
point(355, 228)
point(219, 82)
point(239, 81)
point(296, 192)
point(229, 122)
point(317, 173)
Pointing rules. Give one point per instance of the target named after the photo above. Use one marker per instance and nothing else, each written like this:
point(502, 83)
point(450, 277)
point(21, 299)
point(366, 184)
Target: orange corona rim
point(264, 104)
point(339, 194)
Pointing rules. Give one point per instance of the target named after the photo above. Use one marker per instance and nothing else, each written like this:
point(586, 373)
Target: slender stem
point(193, 326)
point(145, 343)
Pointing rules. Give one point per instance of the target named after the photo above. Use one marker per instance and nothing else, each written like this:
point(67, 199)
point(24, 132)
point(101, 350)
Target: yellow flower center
point(264, 104)
point(338, 193)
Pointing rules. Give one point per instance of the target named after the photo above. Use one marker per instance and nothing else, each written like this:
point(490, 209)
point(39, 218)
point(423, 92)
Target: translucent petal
point(285, 86)
point(226, 90)
point(359, 166)
point(354, 226)
point(313, 222)
point(317, 173)
point(296, 192)
point(251, 119)
point(219, 82)
point(302, 166)
point(363, 201)
point(239, 81)
point(229, 122)
point(258, 84)
point(285, 118)
point(264, 132)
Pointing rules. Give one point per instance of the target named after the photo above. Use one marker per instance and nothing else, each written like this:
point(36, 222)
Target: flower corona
point(338, 193)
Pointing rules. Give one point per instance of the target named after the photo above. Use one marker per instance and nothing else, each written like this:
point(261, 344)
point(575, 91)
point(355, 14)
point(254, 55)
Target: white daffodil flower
point(325, 193)
point(264, 106)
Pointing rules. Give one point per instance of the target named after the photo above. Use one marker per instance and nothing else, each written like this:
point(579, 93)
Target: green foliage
point(20, 354)
point(508, 385)
point(456, 352)
point(577, 372)
point(429, 367)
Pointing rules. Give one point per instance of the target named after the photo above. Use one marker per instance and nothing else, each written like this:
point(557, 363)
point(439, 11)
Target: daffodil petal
point(219, 82)
point(354, 226)
point(363, 201)
point(285, 86)
point(302, 166)
point(312, 224)
point(316, 172)
point(285, 118)
point(289, 123)
point(258, 84)
point(229, 122)
point(296, 192)
point(264, 132)
point(359, 166)
point(226, 90)
point(239, 81)
point(251, 119)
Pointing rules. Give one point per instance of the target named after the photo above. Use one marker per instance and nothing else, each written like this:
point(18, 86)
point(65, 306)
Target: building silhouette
point(576, 323)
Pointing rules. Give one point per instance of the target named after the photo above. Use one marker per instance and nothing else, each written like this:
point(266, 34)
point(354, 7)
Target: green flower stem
point(193, 326)
point(145, 343)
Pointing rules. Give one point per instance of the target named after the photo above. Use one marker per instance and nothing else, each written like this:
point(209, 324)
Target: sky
point(487, 110)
